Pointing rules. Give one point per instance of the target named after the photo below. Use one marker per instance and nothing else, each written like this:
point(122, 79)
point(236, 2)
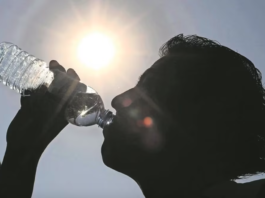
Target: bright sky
point(96, 50)
point(72, 164)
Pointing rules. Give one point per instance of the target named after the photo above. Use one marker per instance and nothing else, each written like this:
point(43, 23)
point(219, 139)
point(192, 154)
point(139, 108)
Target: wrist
point(20, 156)
point(18, 172)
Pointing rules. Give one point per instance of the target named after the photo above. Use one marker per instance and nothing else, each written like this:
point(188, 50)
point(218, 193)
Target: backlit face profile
point(201, 105)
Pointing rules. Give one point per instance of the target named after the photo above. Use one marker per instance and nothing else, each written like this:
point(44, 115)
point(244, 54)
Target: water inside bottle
point(21, 71)
point(84, 109)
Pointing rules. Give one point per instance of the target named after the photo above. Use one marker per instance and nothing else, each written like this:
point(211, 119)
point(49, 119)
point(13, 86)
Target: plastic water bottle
point(21, 71)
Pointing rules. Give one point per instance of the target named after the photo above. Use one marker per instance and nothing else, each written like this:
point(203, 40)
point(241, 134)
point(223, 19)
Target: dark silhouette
point(193, 123)
point(36, 124)
point(195, 120)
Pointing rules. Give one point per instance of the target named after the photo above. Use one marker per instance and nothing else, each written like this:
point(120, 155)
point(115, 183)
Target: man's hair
point(228, 97)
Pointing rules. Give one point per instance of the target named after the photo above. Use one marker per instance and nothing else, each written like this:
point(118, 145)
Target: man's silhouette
point(193, 123)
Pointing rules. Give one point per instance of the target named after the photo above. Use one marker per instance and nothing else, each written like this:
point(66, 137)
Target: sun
point(96, 50)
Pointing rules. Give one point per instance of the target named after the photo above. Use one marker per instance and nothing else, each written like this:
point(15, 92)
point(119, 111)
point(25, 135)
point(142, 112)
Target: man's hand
point(41, 116)
point(37, 123)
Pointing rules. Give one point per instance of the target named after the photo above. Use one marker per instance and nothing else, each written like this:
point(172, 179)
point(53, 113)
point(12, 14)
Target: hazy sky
point(51, 29)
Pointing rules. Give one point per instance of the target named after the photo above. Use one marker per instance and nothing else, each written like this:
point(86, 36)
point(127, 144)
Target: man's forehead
point(166, 60)
point(160, 67)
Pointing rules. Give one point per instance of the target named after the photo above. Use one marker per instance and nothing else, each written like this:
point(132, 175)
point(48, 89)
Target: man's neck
point(168, 187)
point(177, 185)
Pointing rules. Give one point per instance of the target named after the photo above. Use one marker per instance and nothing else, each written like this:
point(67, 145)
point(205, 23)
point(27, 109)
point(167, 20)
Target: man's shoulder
point(261, 191)
point(252, 189)
point(231, 189)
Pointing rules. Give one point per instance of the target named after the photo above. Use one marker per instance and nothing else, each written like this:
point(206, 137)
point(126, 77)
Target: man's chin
point(111, 160)
point(105, 154)
point(107, 159)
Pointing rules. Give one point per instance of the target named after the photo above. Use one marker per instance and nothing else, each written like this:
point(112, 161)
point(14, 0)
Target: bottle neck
point(105, 118)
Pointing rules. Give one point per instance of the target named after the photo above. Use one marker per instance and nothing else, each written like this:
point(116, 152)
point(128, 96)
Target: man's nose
point(123, 100)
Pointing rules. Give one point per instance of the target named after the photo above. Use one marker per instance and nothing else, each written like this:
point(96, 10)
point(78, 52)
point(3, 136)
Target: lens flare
point(127, 102)
point(148, 122)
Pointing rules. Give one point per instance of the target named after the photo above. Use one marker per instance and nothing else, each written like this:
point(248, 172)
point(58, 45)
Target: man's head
point(200, 103)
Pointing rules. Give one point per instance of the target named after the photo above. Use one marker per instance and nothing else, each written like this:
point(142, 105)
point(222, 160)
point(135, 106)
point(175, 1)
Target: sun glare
point(96, 50)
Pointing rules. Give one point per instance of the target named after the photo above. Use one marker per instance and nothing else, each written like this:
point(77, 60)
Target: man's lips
point(107, 129)
point(113, 126)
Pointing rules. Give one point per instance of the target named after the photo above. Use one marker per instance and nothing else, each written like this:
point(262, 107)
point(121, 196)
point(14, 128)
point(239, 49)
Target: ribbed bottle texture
point(21, 71)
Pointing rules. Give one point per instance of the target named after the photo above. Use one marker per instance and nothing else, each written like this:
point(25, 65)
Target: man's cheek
point(153, 141)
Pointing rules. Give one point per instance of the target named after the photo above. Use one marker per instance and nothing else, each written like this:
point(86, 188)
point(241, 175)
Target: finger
point(70, 72)
point(54, 65)
point(81, 87)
